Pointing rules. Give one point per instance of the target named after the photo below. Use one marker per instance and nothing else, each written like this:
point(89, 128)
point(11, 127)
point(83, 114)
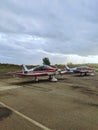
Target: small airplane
point(83, 70)
point(41, 70)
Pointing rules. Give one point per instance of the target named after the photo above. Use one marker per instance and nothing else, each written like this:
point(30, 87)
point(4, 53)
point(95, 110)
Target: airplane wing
point(32, 74)
point(86, 71)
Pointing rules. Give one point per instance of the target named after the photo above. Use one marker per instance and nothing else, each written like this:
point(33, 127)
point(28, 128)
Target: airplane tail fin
point(24, 68)
point(67, 68)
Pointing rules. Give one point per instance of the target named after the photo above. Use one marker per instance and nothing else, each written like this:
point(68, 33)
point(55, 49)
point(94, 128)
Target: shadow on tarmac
point(4, 113)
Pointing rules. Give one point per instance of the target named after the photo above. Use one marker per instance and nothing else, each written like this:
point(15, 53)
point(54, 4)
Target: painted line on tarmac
point(25, 117)
point(8, 87)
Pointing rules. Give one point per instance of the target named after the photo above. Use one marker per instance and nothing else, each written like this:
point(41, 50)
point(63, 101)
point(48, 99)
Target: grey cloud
point(59, 26)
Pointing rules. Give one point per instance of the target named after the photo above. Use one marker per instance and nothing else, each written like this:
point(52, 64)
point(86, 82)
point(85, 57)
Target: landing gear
point(52, 78)
point(36, 79)
point(83, 74)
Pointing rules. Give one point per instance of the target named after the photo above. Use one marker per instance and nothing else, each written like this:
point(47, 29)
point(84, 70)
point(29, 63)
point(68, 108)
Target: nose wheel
point(52, 78)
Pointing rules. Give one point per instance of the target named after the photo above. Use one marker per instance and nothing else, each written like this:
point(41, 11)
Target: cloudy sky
point(62, 30)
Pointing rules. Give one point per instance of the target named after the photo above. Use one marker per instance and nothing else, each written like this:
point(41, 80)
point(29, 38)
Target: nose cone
point(52, 69)
point(55, 69)
point(59, 70)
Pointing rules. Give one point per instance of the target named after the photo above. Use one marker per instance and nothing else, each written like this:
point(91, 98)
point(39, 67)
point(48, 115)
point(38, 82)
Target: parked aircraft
point(83, 70)
point(41, 70)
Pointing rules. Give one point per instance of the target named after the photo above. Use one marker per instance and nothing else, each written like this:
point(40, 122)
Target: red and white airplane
point(82, 70)
point(41, 70)
point(85, 70)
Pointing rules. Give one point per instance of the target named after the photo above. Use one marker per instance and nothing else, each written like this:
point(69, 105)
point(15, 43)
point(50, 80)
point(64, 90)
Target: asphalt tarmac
point(69, 104)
